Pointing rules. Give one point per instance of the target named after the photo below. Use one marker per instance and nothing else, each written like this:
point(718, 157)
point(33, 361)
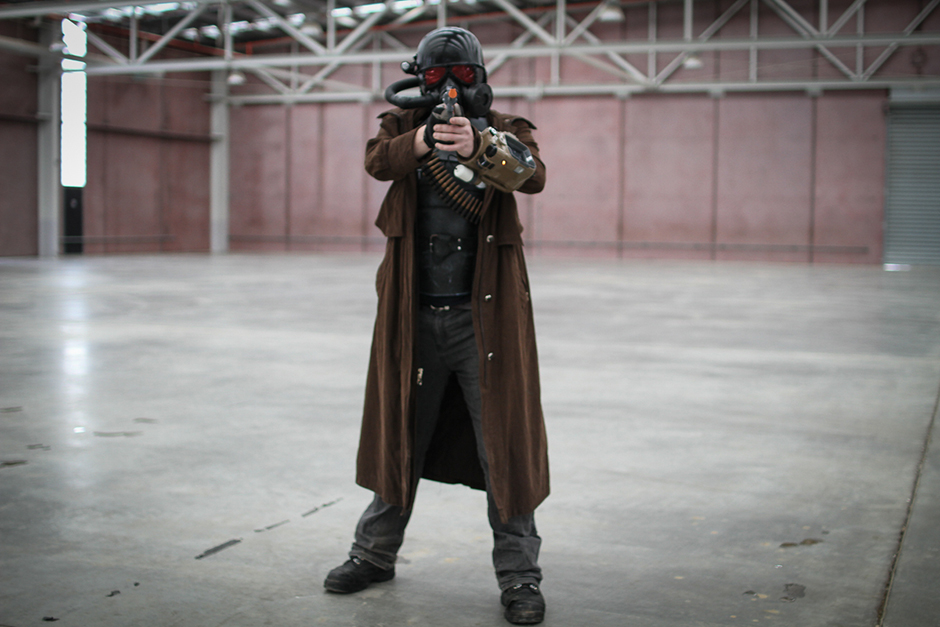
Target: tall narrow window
point(73, 105)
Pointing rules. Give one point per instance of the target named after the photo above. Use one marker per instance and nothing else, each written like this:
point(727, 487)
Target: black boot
point(355, 575)
point(524, 603)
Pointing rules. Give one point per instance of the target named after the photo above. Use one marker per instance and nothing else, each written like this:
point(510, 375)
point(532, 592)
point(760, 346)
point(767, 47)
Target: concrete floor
point(731, 444)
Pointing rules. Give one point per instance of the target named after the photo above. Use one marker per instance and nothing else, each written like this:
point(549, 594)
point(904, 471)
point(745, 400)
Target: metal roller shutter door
point(912, 204)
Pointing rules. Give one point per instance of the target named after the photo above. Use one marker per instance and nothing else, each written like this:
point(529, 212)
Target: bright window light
point(366, 9)
point(74, 37)
point(265, 23)
point(238, 27)
point(163, 7)
point(113, 14)
point(73, 106)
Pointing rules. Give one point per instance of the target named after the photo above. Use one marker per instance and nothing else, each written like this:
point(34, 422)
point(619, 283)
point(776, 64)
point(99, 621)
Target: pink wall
point(668, 175)
point(148, 164)
point(258, 177)
point(779, 176)
point(849, 176)
point(297, 180)
point(18, 149)
point(783, 177)
point(764, 173)
point(741, 176)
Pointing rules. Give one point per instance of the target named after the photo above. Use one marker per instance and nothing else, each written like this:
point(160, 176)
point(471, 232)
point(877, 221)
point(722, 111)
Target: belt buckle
point(441, 244)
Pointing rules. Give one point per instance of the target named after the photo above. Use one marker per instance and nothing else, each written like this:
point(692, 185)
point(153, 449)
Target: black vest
point(446, 246)
point(446, 242)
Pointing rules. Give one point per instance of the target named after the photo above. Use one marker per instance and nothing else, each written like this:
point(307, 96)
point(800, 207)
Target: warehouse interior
point(735, 270)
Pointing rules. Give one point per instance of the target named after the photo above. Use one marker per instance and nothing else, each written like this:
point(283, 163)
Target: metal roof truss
point(552, 32)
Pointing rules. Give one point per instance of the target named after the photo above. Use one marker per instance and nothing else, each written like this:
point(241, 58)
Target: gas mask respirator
point(474, 99)
point(448, 68)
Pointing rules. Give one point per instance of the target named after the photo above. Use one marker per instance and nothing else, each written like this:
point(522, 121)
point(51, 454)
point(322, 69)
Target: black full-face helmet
point(447, 48)
point(452, 57)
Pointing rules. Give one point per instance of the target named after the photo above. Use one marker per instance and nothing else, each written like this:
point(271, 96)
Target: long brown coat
point(513, 427)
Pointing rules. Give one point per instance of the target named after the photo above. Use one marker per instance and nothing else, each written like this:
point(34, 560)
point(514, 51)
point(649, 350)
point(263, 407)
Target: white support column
point(752, 61)
point(330, 25)
point(860, 50)
point(219, 165)
point(226, 28)
point(133, 37)
point(652, 66)
point(49, 189)
point(376, 69)
point(561, 13)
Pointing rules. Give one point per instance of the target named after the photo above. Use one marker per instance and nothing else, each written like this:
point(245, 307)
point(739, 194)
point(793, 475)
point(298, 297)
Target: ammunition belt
point(457, 198)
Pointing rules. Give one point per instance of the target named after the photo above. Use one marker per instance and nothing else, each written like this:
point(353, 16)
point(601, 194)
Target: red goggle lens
point(466, 74)
point(434, 75)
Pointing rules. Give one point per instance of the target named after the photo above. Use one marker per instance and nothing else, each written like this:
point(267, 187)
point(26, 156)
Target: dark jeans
point(446, 345)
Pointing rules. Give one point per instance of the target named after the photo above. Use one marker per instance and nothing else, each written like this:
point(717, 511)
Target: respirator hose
point(408, 102)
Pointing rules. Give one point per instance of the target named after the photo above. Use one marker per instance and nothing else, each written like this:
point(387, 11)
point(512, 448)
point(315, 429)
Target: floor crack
point(893, 568)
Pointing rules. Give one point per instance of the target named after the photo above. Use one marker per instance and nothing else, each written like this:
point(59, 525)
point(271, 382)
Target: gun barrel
point(450, 101)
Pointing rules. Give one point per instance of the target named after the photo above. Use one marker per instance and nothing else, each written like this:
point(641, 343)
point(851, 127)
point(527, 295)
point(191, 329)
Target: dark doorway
point(73, 221)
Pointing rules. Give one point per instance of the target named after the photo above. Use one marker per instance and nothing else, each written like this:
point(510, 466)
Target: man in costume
point(452, 392)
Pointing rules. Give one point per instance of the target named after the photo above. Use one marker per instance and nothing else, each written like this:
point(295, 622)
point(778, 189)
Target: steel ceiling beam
point(715, 26)
point(839, 23)
point(907, 33)
point(25, 48)
point(717, 89)
point(548, 31)
point(170, 35)
point(639, 47)
point(287, 27)
point(525, 21)
point(35, 9)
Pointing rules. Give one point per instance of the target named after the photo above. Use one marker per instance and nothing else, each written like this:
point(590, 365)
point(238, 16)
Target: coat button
point(488, 297)
point(489, 357)
point(490, 239)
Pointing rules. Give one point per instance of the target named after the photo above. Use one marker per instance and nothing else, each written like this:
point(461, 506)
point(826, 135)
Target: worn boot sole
point(345, 586)
point(525, 617)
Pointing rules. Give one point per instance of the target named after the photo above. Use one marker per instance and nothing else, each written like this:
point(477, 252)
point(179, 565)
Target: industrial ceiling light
point(312, 29)
point(693, 62)
point(611, 13)
point(236, 77)
point(343, 17)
